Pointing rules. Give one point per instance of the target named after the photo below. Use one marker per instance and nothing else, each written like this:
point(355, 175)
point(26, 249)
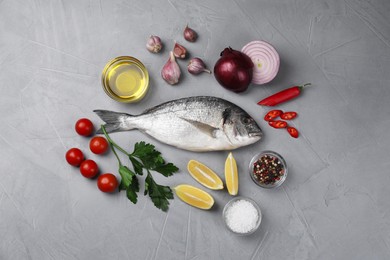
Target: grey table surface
point(335, 201)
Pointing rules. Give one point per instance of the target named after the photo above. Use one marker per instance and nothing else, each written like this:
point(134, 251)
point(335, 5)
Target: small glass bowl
point(125, 79)
point(230, 204)
point(257, 179)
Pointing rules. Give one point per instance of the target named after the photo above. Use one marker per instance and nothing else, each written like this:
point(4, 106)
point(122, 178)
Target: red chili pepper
point(278, 124)
point(282, 96)
point(293, 131)
point(288, 115)
point(272, 115)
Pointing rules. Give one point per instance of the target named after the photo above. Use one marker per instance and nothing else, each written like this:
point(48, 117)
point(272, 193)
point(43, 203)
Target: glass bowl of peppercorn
point(268, 169)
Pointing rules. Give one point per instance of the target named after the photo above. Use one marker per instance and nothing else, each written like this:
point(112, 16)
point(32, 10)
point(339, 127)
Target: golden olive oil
point(125, 79)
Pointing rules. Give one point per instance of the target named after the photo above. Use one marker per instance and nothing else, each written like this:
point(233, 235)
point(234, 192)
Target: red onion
point(265, 59)
point(234, 70)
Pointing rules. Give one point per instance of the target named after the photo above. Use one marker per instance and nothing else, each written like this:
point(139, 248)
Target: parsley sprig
point(144, 158)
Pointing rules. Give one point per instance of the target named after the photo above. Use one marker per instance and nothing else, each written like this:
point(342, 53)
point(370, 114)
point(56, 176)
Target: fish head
point(240, 128)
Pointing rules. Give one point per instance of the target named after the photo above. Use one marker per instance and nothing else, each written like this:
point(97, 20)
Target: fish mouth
point(255, 134)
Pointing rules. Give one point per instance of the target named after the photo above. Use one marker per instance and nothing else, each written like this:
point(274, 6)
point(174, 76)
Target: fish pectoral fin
point(205, 128)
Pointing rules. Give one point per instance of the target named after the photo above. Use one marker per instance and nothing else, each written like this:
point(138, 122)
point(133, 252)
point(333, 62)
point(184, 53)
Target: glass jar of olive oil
point(125, 79)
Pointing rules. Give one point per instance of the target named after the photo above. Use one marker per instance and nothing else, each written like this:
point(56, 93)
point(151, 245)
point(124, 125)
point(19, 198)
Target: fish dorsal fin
point(205, 128)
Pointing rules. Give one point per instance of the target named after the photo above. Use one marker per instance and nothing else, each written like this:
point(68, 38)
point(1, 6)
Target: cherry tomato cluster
point(106, 182)
point(271, 118)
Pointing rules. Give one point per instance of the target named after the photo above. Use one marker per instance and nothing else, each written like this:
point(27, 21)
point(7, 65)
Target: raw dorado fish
point(199, 123)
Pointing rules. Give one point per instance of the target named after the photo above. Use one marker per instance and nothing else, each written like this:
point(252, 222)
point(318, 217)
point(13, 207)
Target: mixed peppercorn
point(268, 170)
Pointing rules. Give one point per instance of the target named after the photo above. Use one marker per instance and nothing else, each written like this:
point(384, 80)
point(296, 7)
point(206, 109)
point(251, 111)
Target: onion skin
point(234, 70)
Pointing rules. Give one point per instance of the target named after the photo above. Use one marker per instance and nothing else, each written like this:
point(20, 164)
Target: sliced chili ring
point(288, 115)
point(273, 114)
point(293, 131)
point(277, 124)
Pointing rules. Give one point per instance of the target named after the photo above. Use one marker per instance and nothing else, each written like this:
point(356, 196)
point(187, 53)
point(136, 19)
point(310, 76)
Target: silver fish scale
point(200, 123)
point(202, 108)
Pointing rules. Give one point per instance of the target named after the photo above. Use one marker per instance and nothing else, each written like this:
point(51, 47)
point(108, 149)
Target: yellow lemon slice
point(204, 175)
point(194, 196)
point(231, 175)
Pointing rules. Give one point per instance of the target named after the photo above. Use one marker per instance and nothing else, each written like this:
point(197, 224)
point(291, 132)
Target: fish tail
point(115, 122)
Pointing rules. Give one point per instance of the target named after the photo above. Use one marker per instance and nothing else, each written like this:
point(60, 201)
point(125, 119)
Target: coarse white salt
point(241, 216)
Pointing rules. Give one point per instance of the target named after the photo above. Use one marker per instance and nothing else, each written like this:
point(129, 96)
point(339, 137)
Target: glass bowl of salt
point(242, 216)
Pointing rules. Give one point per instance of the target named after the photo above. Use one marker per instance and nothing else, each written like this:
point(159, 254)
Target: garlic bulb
point(154, 44)
point(189, 34)
point(197, 66)
point(171, 70)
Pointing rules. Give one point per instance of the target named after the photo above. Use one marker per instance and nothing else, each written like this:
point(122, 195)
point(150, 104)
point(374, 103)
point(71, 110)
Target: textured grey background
point(333, 205)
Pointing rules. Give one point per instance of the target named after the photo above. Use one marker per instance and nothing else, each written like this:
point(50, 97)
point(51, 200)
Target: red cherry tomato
point(74, 156)
point(84, 127)
point(293, 131)
point(278, 124)
point(272, 115)
point(107, 182)
point(89, 169)
point(289, 115)
point(98, 145)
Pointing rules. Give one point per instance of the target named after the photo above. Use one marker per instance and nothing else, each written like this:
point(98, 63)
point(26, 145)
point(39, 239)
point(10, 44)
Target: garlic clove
point(179, 51)
point(197, 66)
point(171, 70)
point(154, 44)
point(189, 34)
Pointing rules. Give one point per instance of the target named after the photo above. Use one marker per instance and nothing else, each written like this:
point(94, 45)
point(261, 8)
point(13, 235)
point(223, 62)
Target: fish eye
point(246, 120)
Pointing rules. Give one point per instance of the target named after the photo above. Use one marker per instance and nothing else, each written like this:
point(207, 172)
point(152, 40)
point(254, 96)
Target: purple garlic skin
point(171, 70)
point(197, 66)
point(189, 34)
point(154, 44)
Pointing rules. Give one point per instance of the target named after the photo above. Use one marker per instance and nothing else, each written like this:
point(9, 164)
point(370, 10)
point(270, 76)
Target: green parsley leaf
point(138, 167)
point(129, 183)
point(148, 155)
point(158, 193)
point(132, 189)
point(126, 177)
point(142, 149)
point(166, 169)
point(144, 157)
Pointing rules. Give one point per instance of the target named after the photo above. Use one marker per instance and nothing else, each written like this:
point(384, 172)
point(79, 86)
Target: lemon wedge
point(231, 175)
point(194, 196)
point(204, 175)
